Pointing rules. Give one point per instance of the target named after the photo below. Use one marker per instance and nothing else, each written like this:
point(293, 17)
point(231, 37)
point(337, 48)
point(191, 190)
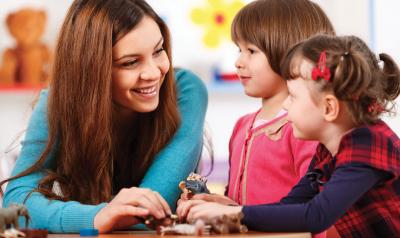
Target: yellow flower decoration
point(216, 17)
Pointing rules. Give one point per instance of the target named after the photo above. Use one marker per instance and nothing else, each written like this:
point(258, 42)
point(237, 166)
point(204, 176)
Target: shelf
point(226, 87)
point(21, 88)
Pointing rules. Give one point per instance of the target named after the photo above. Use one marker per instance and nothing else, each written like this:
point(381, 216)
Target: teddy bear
point(28, 62)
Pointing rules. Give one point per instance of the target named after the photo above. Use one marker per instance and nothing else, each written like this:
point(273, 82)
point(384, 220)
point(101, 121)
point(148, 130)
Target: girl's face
point(255, 72)
point(140, 64)
point(304, 110)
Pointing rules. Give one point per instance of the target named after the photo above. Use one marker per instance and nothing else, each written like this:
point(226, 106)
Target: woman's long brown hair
point(81, 135)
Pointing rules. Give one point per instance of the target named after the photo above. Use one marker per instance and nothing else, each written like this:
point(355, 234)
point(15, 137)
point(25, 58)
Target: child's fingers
point(205, 210)
point(180, 201)
point(209, 210)
point(197, 212)
point(215, 198)
point(185, 206)
point(185, 196)
point(203, 196)
point(180, 210)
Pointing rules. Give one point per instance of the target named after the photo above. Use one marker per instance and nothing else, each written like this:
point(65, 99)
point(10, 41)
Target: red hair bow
point(375, 107)
point(321, 71)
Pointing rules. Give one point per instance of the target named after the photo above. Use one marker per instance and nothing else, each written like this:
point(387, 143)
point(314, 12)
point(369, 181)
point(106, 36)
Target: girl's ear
point(331, 107)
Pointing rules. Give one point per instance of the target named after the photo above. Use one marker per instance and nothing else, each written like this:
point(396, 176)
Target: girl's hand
point(184, 206)
point(185, 195)
point(127, 205)
point(213, 197)
point(209, 210)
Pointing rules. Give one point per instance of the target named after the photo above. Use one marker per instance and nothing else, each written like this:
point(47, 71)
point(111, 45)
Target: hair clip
point(375, 107)
point(345, 54)
point(321, 71)
point(355, 97)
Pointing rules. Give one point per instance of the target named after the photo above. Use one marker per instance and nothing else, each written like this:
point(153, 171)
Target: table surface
point(147, 234)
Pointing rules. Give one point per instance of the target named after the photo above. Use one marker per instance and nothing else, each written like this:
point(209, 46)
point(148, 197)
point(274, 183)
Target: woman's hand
point(199, 209)
point(126, 208)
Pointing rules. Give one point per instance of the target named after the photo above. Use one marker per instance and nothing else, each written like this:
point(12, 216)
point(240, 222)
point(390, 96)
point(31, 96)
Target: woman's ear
point(331, 107)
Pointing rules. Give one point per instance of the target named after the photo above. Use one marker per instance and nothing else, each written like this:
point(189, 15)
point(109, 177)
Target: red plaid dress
point(377, 212)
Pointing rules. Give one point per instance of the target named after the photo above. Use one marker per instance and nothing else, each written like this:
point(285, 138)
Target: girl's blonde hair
point(355, 74)
point(276, 25)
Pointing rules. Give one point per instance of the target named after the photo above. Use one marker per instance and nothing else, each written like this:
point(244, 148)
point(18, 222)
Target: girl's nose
point(238, 63)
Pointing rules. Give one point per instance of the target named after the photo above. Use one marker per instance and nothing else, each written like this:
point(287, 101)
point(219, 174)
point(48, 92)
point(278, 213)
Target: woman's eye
point(159, 51)
point(129, 63)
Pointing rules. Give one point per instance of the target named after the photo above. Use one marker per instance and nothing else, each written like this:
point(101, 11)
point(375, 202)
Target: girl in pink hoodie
point(265, 159)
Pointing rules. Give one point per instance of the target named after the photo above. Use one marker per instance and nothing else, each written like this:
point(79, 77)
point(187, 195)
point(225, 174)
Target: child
point(337, 91)
point(263, 150)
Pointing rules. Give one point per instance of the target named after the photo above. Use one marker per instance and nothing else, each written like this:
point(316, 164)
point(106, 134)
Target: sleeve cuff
point(77, 216)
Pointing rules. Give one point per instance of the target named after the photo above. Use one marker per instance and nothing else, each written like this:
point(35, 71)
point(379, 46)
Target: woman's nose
point(150, 72)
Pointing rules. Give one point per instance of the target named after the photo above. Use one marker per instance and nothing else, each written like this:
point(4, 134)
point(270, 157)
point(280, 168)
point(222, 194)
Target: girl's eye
point(251, 51)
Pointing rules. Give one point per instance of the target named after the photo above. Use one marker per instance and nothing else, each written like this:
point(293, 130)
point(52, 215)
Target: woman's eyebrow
point(136, 55)
point(159, 42)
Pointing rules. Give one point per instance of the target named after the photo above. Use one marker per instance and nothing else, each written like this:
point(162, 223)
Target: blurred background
point(199, 44)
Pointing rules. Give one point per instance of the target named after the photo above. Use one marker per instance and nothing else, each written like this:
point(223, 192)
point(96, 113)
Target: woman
point(117, 138)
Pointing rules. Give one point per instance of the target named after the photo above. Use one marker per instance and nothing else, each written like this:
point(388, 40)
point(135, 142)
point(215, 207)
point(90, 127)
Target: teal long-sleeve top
point(171, 165)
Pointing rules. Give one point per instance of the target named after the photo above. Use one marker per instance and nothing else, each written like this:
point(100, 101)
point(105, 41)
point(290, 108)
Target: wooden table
point(149, 234)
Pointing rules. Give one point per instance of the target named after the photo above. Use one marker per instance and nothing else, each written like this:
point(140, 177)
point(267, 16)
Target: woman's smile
point(147, 92)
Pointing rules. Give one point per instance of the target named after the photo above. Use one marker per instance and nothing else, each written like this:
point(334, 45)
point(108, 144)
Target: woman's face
point(140, 64)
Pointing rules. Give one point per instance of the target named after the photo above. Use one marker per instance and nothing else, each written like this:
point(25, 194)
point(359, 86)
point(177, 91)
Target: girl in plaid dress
point(338, 89)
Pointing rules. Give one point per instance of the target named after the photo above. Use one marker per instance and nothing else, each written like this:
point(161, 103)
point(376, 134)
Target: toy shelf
point(20, 88)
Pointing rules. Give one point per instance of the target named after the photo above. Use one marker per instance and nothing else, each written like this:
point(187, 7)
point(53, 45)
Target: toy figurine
point(9, 216)
point(154, 224)
point(12, 233)
point(228, 224)
point(198, 228)
point(35, 233)
point(225, 224)
point(194, 184)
